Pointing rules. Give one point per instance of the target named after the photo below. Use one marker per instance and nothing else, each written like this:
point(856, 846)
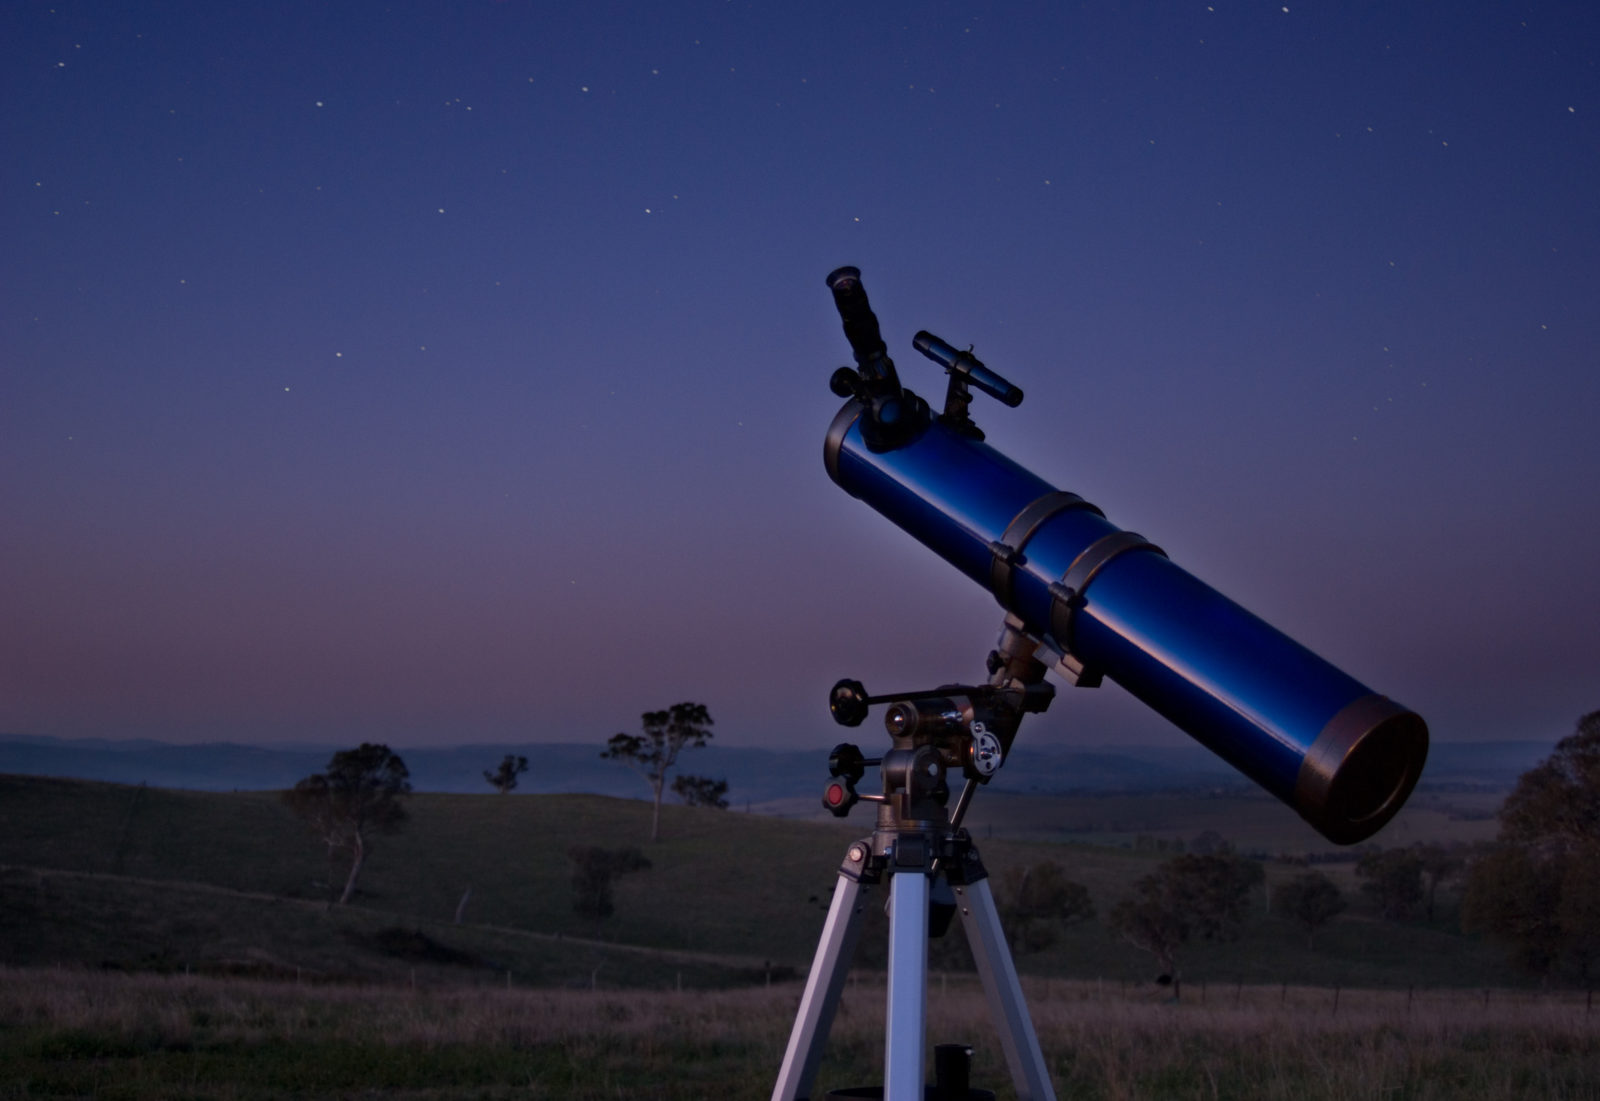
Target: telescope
point(1101, 602)
point(1082, 598)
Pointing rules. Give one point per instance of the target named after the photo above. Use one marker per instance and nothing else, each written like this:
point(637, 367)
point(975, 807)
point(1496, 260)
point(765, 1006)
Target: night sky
point(448, 373)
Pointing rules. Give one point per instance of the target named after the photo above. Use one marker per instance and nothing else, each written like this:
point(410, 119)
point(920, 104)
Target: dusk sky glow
point(442, 374)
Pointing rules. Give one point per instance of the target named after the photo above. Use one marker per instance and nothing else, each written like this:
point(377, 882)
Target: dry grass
point(71, 1033)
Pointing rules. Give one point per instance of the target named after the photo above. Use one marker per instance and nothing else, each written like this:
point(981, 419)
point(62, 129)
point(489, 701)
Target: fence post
point(1336, 1001)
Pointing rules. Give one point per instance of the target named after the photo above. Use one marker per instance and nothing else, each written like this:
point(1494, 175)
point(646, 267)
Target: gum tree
point(654, 753)
point(701, 791)
point(356, 798)
point(504, 777)
point(1188, 898)
point(1310, 900)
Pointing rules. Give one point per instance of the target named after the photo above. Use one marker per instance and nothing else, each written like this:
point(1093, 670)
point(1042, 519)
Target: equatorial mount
point(931, 867)
point(955, 726)
point(969, 727)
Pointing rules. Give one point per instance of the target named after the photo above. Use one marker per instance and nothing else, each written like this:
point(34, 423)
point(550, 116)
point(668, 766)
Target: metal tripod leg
point(823, 986)
point(1007, 1008)
point(908, 986)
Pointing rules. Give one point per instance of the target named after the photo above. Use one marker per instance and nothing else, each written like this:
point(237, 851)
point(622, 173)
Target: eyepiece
point(860, 324)
point(846, 274)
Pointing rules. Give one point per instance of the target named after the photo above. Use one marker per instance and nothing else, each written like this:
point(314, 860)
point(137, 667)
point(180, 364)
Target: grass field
point(148, 879)
point(71, 1033)
point(160, 944)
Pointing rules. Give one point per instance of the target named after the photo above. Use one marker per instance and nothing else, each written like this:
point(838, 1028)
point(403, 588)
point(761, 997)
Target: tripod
point(920, 848)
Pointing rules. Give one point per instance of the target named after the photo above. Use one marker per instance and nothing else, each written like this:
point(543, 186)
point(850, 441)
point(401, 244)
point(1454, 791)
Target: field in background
point(159, 944)
point(137, 1037)
point(1250, 819)
point(145, 879)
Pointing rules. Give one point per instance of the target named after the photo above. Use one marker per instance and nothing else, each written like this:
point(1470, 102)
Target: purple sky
point(441, 373)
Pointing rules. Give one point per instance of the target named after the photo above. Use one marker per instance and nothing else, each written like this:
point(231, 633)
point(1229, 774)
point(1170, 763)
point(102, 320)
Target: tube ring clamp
point(1067, 595)
point(1006, 552)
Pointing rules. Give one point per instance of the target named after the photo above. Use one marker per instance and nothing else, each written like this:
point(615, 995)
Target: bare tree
point(654, 753)
point(357, 798)
point(504, 778)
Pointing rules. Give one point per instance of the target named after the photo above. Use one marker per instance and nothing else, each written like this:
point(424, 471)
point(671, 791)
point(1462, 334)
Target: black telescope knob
point(845, 383)
point(846, 761)
point(847, 702)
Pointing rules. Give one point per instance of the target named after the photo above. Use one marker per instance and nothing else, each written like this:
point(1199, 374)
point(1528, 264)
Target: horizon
point(782, 781)
point(818, 748)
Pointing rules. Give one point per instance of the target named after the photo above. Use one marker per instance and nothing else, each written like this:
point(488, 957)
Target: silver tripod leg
point(906, 1025)
point(823, 986)
point(1007, 1008)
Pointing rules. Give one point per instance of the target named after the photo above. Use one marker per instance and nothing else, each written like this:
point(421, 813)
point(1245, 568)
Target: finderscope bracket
point(965, 369)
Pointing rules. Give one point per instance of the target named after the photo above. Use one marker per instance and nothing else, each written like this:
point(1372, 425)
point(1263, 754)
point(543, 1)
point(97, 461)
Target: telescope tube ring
point(1068, 593)
point(1007, 550)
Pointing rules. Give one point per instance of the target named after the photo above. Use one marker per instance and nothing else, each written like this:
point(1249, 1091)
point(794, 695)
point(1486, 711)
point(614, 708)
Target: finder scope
point(1103, 602)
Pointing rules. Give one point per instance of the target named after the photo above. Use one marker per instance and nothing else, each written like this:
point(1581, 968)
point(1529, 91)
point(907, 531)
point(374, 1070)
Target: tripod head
point(954, 726)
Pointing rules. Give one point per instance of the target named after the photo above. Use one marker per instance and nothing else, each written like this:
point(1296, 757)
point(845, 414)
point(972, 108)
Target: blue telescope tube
point(1113, 604)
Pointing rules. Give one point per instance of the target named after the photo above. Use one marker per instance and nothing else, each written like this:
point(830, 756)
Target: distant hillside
point(755, 776)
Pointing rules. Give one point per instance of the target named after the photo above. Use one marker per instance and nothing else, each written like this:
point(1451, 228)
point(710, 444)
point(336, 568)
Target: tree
point(1557, 802)
point(1039, 901)
point(1536, 889)
point(593, 871)
point(701, 791)
point(1310, 900)
point(504, 778)
point(1439, 865)
point(1578, 912)
point(1516, 899)
point(654, 753)
point(1189, 897)
point(357, 797)
point(1393, 880)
